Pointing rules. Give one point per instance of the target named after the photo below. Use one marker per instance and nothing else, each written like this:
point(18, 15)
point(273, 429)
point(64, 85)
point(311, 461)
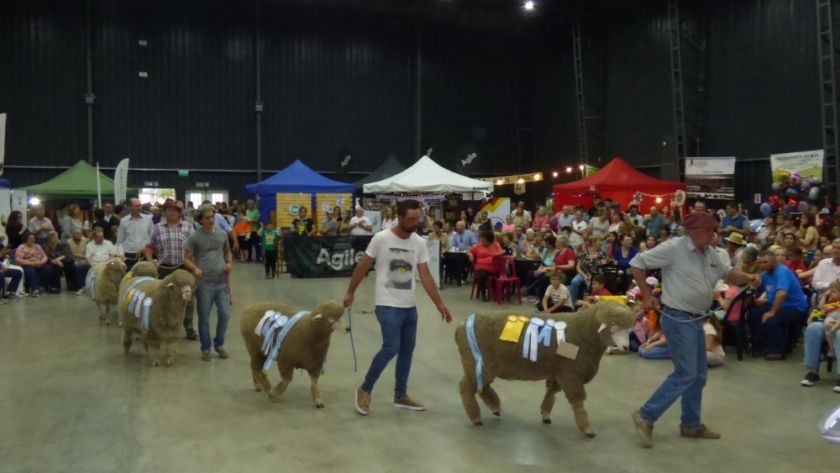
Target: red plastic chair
point(502, 279)
point(490, 284)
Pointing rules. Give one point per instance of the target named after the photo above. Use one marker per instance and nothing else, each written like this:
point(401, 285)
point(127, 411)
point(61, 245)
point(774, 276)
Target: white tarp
point(427, 176)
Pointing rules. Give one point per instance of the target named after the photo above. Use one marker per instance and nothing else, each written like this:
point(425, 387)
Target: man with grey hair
point(208, 257)
point(134, 234)
point(827, 272)
point(40, 225)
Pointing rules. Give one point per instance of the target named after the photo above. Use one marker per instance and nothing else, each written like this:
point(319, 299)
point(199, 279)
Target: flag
point(590, 170)
point(121, 181)
point(2, 141)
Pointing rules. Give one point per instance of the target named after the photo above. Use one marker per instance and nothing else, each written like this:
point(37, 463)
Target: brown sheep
point(141, 269)
point(170, 297)
point(504, 359)
point(103, 285)
point(305, 347)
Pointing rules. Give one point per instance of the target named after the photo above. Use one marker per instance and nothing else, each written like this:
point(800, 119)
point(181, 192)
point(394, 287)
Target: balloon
point(805, 185)
point(792, 191)
point(803, 207)
point(796, 177)
point(776, 186)
point(766, 209)
point(815, 180)
point(774, 200)
point(814, 194)
point(784, 174)
point(792, 202)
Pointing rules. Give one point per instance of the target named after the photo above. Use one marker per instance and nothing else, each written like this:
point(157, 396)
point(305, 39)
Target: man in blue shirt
point(785, 304)
point(461, 241)
point(734, 222)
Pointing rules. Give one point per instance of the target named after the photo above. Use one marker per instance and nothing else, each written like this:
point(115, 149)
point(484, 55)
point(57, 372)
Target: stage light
point(554, 174)
point(581, 167)
point(529, 5)
point(659, 200)
point(569, 170)
point(34, 201)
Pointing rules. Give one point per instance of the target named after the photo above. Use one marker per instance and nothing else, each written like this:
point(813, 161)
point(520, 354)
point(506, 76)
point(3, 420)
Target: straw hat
point(736, 238)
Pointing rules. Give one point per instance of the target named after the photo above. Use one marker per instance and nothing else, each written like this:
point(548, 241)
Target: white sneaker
point(80, 292)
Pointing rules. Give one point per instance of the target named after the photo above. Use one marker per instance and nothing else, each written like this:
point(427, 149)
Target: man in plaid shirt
point(168, 242)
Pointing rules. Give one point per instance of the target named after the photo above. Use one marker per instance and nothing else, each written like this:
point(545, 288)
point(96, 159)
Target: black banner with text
point(324, 256)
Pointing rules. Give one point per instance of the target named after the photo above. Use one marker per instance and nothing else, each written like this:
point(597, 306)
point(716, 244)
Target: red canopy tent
point(617, 181)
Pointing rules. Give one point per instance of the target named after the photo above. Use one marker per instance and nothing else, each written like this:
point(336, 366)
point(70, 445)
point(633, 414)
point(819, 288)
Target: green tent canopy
point(78, 181)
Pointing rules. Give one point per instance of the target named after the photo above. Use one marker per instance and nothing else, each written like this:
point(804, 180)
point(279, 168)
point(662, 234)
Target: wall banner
point(808, 164)
point(324, 256)
point(710, 178)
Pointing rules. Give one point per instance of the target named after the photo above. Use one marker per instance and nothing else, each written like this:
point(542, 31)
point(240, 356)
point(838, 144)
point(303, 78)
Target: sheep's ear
point(318, 317)
point(170, 284)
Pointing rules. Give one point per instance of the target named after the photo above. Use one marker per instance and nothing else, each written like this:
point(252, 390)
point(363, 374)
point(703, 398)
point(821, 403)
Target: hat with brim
point(700, 220)
point(736, 238)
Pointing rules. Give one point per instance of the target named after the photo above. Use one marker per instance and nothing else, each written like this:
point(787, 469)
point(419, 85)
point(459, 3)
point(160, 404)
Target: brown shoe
point(205, 355)
point(362, 402)
point(644, 430)
point(223, 354)
point(408, 403)
point(699, 433)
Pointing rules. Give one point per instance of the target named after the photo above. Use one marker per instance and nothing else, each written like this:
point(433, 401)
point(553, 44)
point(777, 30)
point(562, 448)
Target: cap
point(700, 220)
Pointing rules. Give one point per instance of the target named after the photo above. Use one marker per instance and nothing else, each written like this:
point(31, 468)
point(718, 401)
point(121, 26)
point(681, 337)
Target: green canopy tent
point(78, 181)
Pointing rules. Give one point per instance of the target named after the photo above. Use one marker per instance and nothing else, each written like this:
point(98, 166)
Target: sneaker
point(13, 297)
point(205, 355)
point(3, 300)
point(644, 430)
point(831, 353)
point(362, 402)
point(223, 354)
point(191, 335)
point(80, 292)
point(699, 433)
point(837, 386)
point(407, 403)
point(268, 276)
point(810, 379)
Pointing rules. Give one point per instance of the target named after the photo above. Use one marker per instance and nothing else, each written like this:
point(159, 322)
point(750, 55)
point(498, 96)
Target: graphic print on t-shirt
point(400, 271)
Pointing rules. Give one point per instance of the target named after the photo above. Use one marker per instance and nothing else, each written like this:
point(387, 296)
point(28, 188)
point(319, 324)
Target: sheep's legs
point(576, 394)
point(99, 309)
point(155, 353)
point(551, 389)
point(107, 312)
point(314, 389)
point(171, 349)
point(468, 389)
point(127, 340)
point(491, 399)
point(285, 379)
point(261, 382)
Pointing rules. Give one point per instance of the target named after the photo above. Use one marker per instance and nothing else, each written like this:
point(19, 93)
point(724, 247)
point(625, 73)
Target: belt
point(693, 314)
point(170, 266)
point(130, 255)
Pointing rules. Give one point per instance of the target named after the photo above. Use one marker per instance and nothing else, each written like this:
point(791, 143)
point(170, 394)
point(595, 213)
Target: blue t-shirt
point(624, 263)
point(737, 222)
point(783, 279)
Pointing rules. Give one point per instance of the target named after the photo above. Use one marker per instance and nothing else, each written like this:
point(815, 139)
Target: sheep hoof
point(478, 423)
point(258, 389)
point(497, 414)
point(155, 362)
point(319, 404)
point(590, 435)
point(169, 361)
point(107, 322)
point(546, 421)
point(119, 324)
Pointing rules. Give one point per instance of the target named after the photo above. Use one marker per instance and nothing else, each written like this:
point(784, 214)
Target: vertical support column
point(89, 97)
point(258, 106)
point(418, 90)
point(677, 77)
point(827, 13)
point(579, 94)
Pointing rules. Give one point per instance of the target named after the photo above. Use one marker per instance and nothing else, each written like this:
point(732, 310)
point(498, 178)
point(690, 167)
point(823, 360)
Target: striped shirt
point(688, 274)
point(169, 242)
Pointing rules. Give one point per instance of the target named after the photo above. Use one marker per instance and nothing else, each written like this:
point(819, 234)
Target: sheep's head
point(179, 284)
point(115, 269)
point(331, 312)
point(144, 269)
point(612, 315)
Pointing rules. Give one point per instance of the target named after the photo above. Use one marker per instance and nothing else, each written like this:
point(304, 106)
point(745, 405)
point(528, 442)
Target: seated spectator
point(61, 261)
point(714, 340)
point(735, 244)
point(509, 244)
point(508, 226)
point(587, 267)
point(655, 347)
point(482, 256)
point(823, 327)
point(8, 293)
point(556, 298)
point(664, 234)
point(749, 261)
point(599, 282)
point(624, 253)
point(31, 257)
point(794, 263)
point(785, 304)
point(438, 234)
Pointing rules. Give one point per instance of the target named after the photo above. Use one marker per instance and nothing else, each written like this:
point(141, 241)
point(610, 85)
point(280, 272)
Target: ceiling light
point(529, 5)
point(581, 167)
point(568, 170)
point(554, 174)
point(659, 200)
point(34, 201)
point(520, 181)
point(499, 182)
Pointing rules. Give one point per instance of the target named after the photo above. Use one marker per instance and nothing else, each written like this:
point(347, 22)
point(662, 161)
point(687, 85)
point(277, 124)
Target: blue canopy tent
point(295, 178)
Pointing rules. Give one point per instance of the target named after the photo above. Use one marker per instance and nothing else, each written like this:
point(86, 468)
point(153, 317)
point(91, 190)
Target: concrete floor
point(70, 400)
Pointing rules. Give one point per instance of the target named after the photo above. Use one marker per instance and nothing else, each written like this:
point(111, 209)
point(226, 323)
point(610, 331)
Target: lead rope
point(708, 313)
point(227, 289)
point(352, 343)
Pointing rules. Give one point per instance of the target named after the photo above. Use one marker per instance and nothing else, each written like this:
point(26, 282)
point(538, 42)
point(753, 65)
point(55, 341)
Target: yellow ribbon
point(513, 328)
point(128, 299)
point(620, 299)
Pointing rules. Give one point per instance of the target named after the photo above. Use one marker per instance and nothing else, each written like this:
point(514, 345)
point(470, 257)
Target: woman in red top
point(482, 256)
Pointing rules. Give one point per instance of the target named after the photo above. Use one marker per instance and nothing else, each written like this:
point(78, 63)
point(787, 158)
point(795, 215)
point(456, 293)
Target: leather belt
point(693, 314)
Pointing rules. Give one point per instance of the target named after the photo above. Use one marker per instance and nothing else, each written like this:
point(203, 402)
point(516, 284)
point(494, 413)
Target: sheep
point(103, 283)
point(141, 269)
point(305, 347)
point(169, 298)
point(589, 329)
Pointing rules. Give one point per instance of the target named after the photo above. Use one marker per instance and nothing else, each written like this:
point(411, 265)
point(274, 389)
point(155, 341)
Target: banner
point(121, 181)
point(590, 170)
point(434, 261)
point(324, 256)
point(710, 178)
point(497, 209)
point(808, 164)
point(2, 141)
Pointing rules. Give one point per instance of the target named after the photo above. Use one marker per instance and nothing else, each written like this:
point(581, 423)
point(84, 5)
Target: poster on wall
point(807, 164)
point(19, 201)
point(497, 209)
point(710, 178)
point(375, 218)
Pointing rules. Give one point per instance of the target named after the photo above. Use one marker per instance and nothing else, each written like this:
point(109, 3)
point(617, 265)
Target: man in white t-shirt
point(398, 253)
point(360, 224)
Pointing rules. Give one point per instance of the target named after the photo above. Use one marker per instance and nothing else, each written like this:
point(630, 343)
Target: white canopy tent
point(427, 176)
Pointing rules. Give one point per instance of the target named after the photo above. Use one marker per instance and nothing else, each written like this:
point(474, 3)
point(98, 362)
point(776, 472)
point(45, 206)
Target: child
point(655, 348)
point(598, 289)
point(269, 244)
point(557, 297)
point(830, 304)
point(794, 262)
point(714, 340)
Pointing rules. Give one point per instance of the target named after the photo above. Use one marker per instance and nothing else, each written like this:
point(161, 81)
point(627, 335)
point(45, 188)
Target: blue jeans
point(15, 274)
point(205, 296)
point(773, 331)
point(399, 334)
point(814, 336)
point(660, 352)
point(37, 278)
point(577, 281)
point(687, 344)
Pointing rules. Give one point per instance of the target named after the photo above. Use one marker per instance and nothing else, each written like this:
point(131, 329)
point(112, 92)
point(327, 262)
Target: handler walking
point(690, 269)
point(398, 252)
